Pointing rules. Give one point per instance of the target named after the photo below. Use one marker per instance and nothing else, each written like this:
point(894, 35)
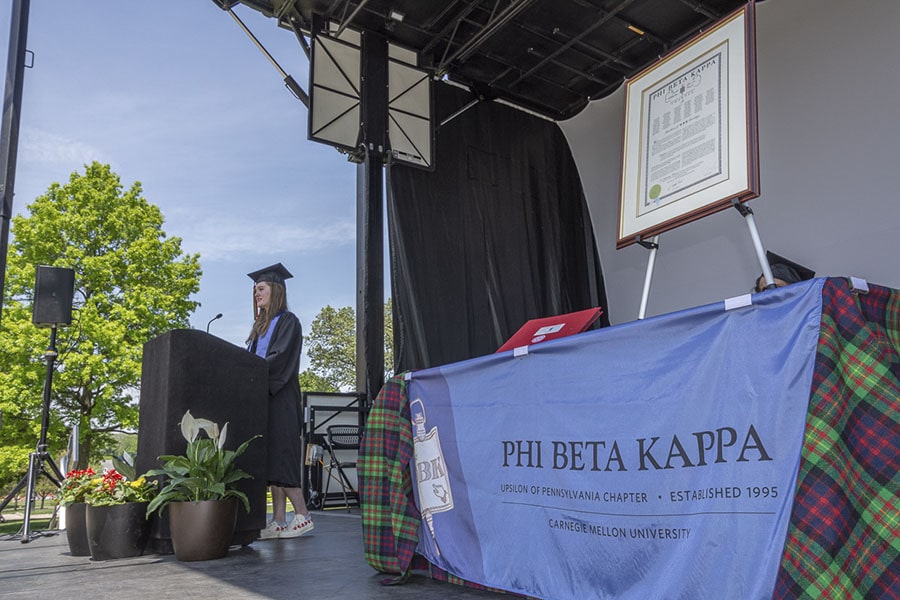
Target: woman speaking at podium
point(277, 337)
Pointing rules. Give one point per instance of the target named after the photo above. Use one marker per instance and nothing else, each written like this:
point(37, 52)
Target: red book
point(535, 331)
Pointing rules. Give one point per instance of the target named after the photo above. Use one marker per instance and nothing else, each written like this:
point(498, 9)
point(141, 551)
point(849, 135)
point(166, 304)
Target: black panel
point(214, 379)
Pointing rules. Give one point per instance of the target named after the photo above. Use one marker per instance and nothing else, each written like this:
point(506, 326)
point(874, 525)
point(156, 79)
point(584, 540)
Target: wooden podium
point(187, 369)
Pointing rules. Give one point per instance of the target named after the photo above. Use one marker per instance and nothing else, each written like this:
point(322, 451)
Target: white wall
point(828, 87)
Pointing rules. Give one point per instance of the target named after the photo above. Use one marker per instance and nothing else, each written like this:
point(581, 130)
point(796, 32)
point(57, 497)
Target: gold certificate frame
point(691, 143)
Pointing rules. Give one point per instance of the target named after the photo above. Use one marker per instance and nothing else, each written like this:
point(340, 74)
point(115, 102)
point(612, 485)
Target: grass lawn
point(38, 523)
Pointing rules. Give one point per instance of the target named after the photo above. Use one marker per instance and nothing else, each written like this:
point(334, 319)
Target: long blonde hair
point(277, 303)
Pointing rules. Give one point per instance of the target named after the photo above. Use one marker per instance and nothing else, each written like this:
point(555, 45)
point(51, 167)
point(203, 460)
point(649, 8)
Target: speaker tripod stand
point(40, 463)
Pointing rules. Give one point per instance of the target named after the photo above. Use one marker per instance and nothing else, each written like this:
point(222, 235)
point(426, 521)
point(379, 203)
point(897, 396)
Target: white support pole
point(747, 213)
point(653, 246)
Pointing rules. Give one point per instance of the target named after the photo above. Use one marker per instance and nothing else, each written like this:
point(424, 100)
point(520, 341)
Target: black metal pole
point(41, 455)
point(370, 218)
point(9, 131)
point(50, 356)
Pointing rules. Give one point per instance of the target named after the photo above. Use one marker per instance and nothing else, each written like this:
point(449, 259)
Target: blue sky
point(172, 93)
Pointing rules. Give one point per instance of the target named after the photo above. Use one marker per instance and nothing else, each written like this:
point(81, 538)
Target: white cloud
point(222, 238)
point(45, 147)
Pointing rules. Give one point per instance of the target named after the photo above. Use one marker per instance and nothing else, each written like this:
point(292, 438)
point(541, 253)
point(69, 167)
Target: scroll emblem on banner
point(433, 485)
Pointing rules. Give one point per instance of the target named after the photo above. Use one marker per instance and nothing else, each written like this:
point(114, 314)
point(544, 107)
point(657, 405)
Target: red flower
point(76, 485)
point(111, 478)
point(79, 473)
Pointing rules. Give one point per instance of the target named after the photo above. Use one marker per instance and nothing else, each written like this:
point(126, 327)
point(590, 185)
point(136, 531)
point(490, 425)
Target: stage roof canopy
point(548, 56)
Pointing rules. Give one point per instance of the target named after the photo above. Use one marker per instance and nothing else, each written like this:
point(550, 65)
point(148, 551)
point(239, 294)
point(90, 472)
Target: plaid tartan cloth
point(390, 518)
point(844, 535)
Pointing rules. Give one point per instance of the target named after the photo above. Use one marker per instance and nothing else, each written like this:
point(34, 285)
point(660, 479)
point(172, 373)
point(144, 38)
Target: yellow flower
point(138, 483)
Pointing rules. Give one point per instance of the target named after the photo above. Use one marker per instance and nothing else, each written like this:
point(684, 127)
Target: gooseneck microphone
point(218, 316)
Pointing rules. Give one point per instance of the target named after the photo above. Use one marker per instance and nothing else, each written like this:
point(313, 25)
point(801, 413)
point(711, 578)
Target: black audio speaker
point(54, 288)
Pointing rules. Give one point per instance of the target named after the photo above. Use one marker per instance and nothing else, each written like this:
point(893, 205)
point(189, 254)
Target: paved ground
point(326, 564)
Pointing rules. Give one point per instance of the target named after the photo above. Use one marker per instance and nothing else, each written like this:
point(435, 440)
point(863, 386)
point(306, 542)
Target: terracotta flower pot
point(202, 530)
point(117, 531)
point(76, 529)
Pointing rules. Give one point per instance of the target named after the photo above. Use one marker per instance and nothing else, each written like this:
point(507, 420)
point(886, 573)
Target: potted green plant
point(116, 515)
point(200, 491)
point(71, 496)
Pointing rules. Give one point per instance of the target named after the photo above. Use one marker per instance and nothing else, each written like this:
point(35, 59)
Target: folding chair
point(341, 438)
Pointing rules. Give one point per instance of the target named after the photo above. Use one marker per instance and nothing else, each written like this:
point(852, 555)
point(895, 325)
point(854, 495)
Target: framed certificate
point(691, 144)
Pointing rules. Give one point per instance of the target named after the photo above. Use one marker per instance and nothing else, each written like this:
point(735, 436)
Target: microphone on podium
point(218, 316)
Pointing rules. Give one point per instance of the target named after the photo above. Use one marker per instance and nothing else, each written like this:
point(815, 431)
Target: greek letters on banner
point(432, 484)
point(655, 459)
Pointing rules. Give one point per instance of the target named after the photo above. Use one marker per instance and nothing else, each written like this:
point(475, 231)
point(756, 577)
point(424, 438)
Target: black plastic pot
point(117, 531)
point(76, 529)
point(202, 530)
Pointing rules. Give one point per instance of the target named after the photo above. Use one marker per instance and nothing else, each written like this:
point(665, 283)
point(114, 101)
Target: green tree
point(44, 489)
point(310, 382)
point(132, 283)
point(331, 347)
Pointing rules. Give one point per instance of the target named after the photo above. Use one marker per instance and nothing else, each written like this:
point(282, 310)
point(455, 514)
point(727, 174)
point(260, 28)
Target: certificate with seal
point(690, 143)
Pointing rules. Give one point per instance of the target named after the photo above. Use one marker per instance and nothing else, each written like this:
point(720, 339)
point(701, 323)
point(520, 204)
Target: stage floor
point(326, 564)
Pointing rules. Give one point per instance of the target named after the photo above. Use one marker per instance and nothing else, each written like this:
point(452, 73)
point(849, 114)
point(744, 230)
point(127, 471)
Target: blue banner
point(655, 459)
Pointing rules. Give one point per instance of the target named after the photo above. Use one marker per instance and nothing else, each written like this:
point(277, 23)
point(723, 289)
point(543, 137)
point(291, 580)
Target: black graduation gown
point(285, 463)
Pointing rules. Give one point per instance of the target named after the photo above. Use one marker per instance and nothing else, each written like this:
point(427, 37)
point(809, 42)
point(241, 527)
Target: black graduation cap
point(275, 273)
point(787, 270)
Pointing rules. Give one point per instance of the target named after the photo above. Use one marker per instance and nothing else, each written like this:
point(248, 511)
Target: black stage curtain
point(497, 234)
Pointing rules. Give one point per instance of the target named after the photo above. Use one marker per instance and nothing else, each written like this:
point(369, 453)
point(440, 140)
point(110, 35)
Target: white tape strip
point(738, 302)
point(859, 286)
